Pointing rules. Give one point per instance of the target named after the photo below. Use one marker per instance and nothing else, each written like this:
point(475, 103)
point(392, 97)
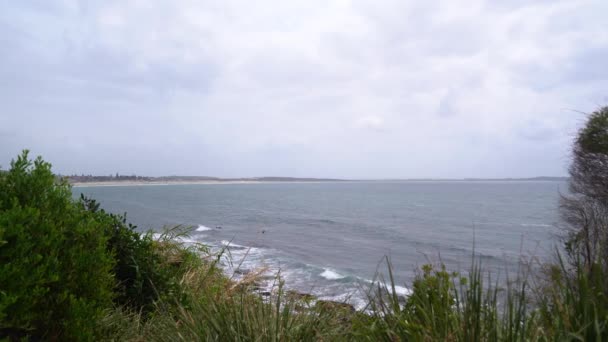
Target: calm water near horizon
point(328, 238)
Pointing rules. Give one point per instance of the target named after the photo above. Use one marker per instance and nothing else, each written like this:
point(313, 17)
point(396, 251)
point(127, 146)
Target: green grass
point(444, 306)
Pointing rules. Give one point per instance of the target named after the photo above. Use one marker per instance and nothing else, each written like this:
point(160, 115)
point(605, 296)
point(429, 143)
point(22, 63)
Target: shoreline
point(201, 182)
point(253, 181)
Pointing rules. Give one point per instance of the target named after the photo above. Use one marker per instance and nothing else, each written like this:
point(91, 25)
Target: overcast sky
point(349, 89)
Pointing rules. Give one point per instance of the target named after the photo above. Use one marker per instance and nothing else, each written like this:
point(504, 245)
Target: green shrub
point(55, 271)
point(429, 313)
point(64, 263)
point(573, 305)
point(142, 271)
point(445, 306)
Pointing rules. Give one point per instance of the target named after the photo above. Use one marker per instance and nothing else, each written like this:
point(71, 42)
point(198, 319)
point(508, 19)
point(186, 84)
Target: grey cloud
point(588, 65)
point(447, 106)
point(537, 131)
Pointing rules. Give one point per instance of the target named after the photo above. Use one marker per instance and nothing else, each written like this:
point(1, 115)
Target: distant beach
point(145, 183)
point(201, 182)
point(287, 180)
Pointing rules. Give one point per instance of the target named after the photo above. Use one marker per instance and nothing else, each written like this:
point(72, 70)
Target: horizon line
point(287, 178)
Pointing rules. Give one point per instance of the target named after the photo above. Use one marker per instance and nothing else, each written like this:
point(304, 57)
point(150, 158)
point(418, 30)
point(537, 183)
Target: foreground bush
point(65, 264)
point(445, 306)
point(145, 269)
point(574, 303)
point(585, 208)
point(55, 270)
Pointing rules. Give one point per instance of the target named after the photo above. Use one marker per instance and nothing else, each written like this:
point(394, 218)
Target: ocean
point(330, 238)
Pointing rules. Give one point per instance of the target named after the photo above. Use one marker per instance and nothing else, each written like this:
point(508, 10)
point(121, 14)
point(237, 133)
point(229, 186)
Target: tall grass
point(243, 317)
point(574, 302)
point(561, 303)
point(220, 308)
point(570, 305)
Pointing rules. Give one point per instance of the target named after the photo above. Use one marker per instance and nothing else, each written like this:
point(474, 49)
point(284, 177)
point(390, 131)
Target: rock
point(241, 271)
point(333, 305)
point(298, 296)
point(267, 277)
point(251, 286)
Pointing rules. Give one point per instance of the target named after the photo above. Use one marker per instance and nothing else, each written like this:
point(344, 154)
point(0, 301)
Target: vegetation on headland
point(71, 271)
point(76, 179)
point(135, 179)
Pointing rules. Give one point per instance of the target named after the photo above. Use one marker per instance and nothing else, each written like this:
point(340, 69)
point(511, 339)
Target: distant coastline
point(78, 181)
point(90, 181)
point(143, 183)
point(524, 179)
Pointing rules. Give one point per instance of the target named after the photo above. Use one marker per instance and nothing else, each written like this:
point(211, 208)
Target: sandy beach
point(185, 182)
point(147, 183)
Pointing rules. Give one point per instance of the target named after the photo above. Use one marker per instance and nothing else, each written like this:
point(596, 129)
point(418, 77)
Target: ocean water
point(329, 239)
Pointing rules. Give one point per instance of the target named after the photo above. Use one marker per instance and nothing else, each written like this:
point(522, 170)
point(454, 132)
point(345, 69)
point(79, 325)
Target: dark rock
point(267, 277)
point(331, 305)
point(298, 296)
point(241, 271)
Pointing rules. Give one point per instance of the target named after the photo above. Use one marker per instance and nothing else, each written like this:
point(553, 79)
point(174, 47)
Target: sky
point(343, 89)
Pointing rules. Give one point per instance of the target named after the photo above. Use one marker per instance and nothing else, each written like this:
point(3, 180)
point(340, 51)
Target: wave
point(240, 260)
point(454, 252)
point(399, 290)
point(330, 274)
point(202, 228)
point(186, 239)
point(313, 222)
point(182, 239)
point(513, 224)
point(402, 291)
point(230, 244)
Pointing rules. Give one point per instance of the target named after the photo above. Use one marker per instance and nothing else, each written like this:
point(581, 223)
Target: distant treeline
point(118, 177)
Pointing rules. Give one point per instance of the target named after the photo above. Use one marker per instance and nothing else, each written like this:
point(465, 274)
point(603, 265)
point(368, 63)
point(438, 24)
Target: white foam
point(182, 239)
point(202, 228)
point(330, 274)
point(402, 291)
point(399, 290)
point(231, 244)
point(185, 239)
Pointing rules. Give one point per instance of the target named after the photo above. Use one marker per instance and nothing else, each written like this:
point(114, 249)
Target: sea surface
point(330, 238)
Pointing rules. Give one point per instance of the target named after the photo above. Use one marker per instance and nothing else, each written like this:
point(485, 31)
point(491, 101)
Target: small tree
point(585, 209)
point(55, 268)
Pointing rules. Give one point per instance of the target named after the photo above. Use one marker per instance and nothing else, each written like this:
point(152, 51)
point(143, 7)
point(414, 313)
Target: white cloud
point(371, 122)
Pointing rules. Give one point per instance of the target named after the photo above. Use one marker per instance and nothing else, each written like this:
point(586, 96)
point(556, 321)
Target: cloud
point(302, 88)
point(371, 122)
